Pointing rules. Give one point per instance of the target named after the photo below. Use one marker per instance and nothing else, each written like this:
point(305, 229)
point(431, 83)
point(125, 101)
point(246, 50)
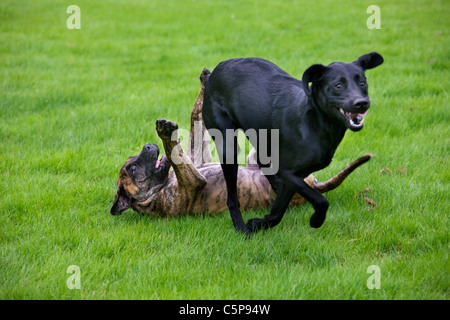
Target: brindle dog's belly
point(253, 189)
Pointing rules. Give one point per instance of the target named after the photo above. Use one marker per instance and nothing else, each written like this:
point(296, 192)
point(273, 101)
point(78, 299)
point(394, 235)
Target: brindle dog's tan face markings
point(126, 181)
point(139, 177)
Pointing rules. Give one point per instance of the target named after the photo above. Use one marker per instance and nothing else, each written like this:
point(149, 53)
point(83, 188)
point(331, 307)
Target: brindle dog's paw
point(165, 129)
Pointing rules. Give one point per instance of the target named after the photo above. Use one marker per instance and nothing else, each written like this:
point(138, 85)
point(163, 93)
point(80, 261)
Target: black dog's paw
point(243, 230)
point(317, 219)
point(165, 129)
point(255, 224)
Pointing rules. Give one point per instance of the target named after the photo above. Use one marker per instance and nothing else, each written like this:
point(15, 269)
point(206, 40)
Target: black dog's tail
point(336, 181)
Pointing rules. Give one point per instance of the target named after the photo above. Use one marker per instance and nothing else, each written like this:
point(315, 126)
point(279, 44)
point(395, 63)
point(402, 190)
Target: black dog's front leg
point(318, 201)
point(288, 185)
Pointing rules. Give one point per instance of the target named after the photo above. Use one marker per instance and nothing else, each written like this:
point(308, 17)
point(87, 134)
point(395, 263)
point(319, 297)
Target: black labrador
point(253, 93)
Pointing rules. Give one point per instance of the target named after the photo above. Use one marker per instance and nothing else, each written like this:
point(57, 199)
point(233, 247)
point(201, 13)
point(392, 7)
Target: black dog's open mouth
point(354, 121)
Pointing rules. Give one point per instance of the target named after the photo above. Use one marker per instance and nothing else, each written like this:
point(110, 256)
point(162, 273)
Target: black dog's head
point(341, 90)
point(139, 178)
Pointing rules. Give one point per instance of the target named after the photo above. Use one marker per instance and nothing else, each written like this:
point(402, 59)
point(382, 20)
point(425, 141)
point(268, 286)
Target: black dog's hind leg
point(284, 196)
point(230, 172)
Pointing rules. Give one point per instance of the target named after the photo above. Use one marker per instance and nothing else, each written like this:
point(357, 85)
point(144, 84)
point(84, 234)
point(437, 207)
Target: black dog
point(253, 93)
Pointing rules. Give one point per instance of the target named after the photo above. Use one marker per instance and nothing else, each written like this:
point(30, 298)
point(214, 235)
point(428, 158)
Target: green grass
point(76, 103)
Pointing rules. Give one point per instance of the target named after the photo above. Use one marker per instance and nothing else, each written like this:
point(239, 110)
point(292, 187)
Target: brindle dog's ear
point(369, 61)
point(121, 201)
point(313, 73)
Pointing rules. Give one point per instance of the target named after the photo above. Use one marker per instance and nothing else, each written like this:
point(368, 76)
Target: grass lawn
point(76, 103)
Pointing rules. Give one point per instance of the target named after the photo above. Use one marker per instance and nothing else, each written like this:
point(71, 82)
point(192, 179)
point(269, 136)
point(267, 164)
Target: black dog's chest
point(313, 160)
point(321, 162)
point(309, 147)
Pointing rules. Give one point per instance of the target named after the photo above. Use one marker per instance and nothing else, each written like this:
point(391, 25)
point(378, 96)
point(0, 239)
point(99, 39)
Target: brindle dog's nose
point(150, 147)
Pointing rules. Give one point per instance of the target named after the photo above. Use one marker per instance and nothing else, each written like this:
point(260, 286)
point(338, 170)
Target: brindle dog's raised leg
point(188, 177)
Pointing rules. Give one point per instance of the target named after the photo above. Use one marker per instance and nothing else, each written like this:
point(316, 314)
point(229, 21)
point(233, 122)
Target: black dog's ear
point(313, 73)
point(369, 61)
point(121, 201)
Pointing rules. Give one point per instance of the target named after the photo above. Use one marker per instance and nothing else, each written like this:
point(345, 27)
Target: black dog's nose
point(362, 104)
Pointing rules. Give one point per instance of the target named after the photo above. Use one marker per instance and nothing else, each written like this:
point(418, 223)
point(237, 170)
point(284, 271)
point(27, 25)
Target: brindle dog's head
point(341, 90)
point(140, 177)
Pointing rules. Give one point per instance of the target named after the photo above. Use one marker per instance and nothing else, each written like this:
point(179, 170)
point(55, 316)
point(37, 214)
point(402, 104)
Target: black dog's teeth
point(354, 119)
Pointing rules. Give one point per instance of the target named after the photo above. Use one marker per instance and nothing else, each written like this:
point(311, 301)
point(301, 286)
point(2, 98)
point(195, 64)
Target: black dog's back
point(240, 86)
point(253, 93)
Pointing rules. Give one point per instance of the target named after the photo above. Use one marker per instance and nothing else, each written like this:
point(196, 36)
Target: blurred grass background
point(76, 103)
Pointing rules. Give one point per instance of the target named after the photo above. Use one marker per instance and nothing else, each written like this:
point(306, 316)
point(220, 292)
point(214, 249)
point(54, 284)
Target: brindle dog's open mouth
point(160, 162)
point(160, 165)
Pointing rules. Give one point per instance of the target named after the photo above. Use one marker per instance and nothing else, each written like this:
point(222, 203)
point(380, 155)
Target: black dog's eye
point(339, 86)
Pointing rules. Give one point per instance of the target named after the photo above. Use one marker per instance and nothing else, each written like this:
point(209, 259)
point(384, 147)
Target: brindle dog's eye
point(133, 169)
point(339, 86)
point(362, 83)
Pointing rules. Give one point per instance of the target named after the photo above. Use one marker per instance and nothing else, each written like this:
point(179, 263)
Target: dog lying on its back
point(147, 185)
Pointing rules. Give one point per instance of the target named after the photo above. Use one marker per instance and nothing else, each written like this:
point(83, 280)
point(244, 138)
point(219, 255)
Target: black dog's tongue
point(355, 118)
point(358, 117)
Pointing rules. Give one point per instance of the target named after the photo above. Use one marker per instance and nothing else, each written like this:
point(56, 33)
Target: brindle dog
point(147, 184)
